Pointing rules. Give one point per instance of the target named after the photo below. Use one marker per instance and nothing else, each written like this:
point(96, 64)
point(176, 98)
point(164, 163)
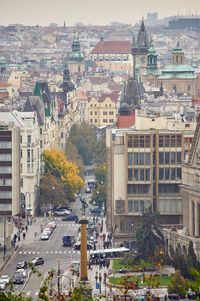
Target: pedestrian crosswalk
point(48, 252)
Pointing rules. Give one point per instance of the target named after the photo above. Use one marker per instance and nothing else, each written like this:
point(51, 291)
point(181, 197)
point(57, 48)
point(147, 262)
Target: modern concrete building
point(10, 127)
point(144, 169)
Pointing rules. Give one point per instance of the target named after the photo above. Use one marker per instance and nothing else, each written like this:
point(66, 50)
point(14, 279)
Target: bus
point(107, 253)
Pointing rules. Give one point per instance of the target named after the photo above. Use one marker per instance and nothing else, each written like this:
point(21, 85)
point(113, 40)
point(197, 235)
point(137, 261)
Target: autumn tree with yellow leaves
point(64, 170)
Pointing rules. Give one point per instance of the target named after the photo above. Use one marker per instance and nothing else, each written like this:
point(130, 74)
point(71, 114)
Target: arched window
point(189, 88)
point(174, 88)
point(177, 58)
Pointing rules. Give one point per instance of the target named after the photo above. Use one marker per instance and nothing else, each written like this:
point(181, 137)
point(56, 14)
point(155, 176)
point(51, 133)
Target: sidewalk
point(31, 236)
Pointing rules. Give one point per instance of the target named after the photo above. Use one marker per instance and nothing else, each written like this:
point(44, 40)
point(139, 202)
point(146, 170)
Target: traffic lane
point(51, 264)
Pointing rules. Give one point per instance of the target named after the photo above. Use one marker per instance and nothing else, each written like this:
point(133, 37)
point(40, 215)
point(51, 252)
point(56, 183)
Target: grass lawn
point(120, 264)
point(163, 280)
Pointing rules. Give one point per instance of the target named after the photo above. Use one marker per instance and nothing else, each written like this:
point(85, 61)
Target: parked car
point(62, 212)
point(6, 278)
point(18, 278)
point(88, 190)
point(44, 236)
point(52, 225)
point(23, 271)
point(37, 261)
point(68, 241)
point(2, 284)
point(70, 217)
point(22, 265)
point(64, 207)
point(95, 210)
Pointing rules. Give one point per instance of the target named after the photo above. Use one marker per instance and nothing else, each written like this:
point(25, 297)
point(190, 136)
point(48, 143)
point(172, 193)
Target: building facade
point(144, 169)
point(9, 173)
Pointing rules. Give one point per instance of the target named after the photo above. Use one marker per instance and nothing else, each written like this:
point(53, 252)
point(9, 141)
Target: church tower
point(152, 59)
point(178, 55)
point(140, 49)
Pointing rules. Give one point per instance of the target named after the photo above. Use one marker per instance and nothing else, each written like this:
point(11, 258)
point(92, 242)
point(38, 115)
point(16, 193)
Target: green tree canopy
point(179, 285)
point(151, 237)
point(73, 155)
point(100, 173)
point(51, 192)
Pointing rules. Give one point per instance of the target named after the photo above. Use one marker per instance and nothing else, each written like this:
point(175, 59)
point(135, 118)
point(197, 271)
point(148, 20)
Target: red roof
point(126, 121)
point(112, 47)
point(114, 96)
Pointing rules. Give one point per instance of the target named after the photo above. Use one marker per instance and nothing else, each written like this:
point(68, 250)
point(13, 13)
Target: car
point(64, 207)
point(70, 217)
point(95, 210)
point(88, 190)
point(2, 284)
point(68, 241)
point(6, 278)
point(62, 212)
point(22, 265)
point(77, 246)
point(37, 261)
point(23, 271)
point(18, 278)
point(44, 236)
point(52, 225)
point(47, 230)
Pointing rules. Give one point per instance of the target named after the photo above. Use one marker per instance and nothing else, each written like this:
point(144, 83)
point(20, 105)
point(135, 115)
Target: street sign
point(97, 285)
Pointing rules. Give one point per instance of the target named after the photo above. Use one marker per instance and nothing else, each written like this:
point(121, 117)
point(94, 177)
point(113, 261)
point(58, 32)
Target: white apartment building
point(30, 161)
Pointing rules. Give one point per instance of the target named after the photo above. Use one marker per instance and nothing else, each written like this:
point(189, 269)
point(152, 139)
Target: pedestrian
point(26, 228)
point(35, 235)
point(104, 236)
point(24, 235)
point(104, 244)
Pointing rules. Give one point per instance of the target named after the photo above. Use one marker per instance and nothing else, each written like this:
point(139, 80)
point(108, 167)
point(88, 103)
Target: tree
point(179, 285)
point(84, 138)
point(73, 155)
point(152, 238)
point(63, 169)
point(51, 192)
point(100, 151)
point(100, 173)
point(191, 259)
point(99, 195)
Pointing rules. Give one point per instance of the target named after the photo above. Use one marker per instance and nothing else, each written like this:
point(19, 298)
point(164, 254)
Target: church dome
point(76, 56)
point(152, 50)
point(178, 49)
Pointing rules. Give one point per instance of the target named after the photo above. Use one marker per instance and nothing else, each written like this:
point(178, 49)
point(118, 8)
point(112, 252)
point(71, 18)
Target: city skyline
point(29, 12)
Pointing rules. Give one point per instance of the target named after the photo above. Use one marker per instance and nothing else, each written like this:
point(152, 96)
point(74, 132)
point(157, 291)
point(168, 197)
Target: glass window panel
point(141, 206)
point(178, 157)
point(141, 158)
point(130, 174)
point(5, 157)
point(130, 205)
point(161, 158)
point(147, 141)
point(173, 157)
point(161, 141)
point(135, 141)
point(142, 174)
point(179, 173)
point(179, 140)
point(173, 140)
point(147, 174)
point(135, 174)
point(136, 159)
point(166, 173)
point(161, 173)
point(141, 141)
point(5, 169)
point(167, 141)
point(167, 158)
point(147, 158)
point(130, 158)
point(5, 144)
point(173, 173)
point(136, 206)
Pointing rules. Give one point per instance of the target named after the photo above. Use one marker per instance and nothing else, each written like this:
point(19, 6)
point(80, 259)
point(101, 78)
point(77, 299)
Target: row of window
point(138, 189)
point(138, 205)
point(138, 158)
point(170, 206)
point(104, 120)
point(169, 157)
point(5, 194)
point(170, 140)
point(5, 182)
point(5, 207)
point(95, 105)
point(5, 144)
point(5, 169)
point(139, 174)
point(168, 188)
point(170, 174)
point(5, 157)
point(138, 141)
point(104, 113)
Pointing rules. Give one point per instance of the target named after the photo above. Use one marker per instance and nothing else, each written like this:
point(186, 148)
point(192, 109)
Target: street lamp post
point(100, 278)
point(105, 277)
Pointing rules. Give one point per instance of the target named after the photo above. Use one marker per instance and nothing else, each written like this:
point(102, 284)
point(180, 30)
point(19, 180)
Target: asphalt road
point(53, 252)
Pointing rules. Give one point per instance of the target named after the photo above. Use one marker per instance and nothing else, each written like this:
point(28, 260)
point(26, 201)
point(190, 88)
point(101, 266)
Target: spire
point(66, 85)
point(143, 40)
point(102, 37)
point(64, 25)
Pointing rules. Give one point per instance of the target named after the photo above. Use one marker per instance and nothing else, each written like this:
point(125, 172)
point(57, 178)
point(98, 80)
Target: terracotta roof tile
point(114, 96)
point(110, 47)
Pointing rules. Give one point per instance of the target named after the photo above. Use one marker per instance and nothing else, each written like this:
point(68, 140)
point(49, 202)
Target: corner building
point(144, 169)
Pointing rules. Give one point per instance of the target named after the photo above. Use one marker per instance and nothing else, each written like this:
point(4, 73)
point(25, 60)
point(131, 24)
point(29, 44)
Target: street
point(52, 251)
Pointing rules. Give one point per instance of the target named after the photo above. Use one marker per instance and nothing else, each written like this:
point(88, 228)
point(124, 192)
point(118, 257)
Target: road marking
point(51, 252)
point(33, 252)
point(20, 252)
point(27, 279)
point(37, 293)
point(38, 252)
point(47, 252)
point(60, 252)
point(24, 252)
point(29, 252)
point(56, 252)
point(28, 293)
point(65, 252)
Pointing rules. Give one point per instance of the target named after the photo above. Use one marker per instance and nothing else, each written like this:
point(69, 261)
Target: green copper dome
point(76, 56)
point(178, 49)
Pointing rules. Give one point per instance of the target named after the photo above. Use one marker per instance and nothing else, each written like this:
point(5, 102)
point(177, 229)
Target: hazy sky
point(43, 12)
